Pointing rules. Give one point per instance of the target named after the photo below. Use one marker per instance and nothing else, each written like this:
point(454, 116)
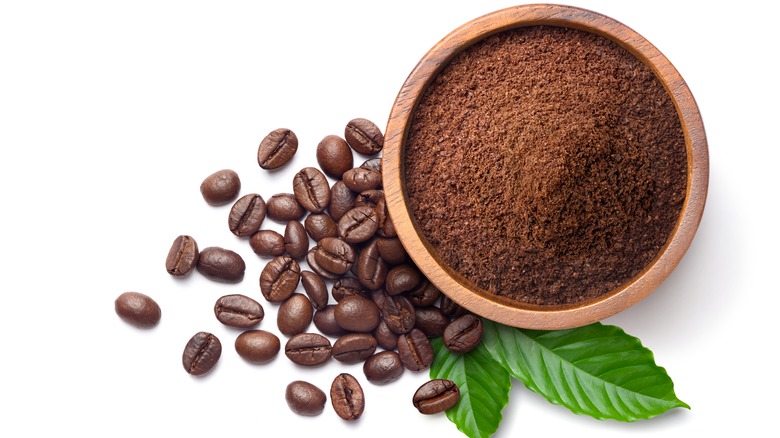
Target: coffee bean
point(311, 260)
point(257, 346)
point(335, 255)
point(353, 348)
point(369, 197)
point(320, 225)
point(436, 396)
point(385, 337)
point(402, 278)
point(451, 308)
point(334, 156)
point(360, 179)
point(311, 189)
point(222, 265)
point(357, 314)
point(277, 148)
point(267, 243)
point(246, 215)
point(308, 349)
point(221, 187)
point(347, 286)
point(364, 136)
point(315, 289)
point(137, 309)
point(415, 350)
point(358, 224)
point(346, 396)
point(279, 278)
point(294, 315)
point(371, 268)
point(463, 334)
point(325, 321)
point(431, 321)
point(391, 250)
point(283, 207)
point(303, 398)
point(373, 163)
point(342, 200)
point(296, 241)
point(386, 227)
point(182, 257)
point(238, 311)
point(383, 367)
point(398, 313)
point(201, 353)
point(425, 294)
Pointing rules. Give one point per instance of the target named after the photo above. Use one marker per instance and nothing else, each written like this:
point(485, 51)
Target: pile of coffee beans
point(355, 283)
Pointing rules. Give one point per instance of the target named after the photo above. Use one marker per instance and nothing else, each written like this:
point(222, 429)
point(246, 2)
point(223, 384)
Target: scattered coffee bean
point(257, 346)
point(386, 227)
point(267, 243)
point(182, 257)
point(353, 347)
point(357, 314)
point(425, 294)
point(308, 349)
point(346, 396)
point(373, 163)
point(294, 315)
point(311, 189)
point(296, 241)
point(436, 396)
point(137, 309)
point(383, 367)
point(347, 286)
point(391, 250)
point(451, 308)
point(283, 207)
point(371, 268)
point(342, 199)
point(238, 311)
point(315, 289)
point(463, 334)
point(360, 179)
point(385, 337)
point(370, 198)
point(358, 224)
point(304, 398)
point(222, 265)
point(221, 187)
point(398, 313)
point(246, 215)
point(334, 156)
point(277, 148)
point(311, 260)
point(320, 225)
point(335, 255)
point(431, 321)
point(325, 321)
point(279, 278)
point(402, 278)
point(415, 350)
point(364, 136)
point(201, 353)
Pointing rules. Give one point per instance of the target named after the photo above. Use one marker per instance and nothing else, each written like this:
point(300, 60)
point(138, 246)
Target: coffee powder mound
point(546, 164)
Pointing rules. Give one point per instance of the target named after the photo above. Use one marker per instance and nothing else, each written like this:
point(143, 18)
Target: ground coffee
point(546, 164)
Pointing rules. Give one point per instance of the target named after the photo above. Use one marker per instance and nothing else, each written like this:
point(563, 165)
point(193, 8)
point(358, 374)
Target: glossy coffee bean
point(311, 189)
point(451, 308)
point(386, 227)
point(277, 148)
point(222, 265)
point(294, 315)
point(358, 224)
point(415, 350)
point(257, 346)
point(311, 260)
point(425, 294)
point(364, 136)
point(279, 278)
point(315, 289)
point(402, 278)
point(371, 268)
point(304, 398)
point(436, 396)
point(320, 225)
point(335, 255)
point(137, 309)
point(308, 349)
point(247, 215)
point(353, 348)
point(360, 179)
point(373, 163)
point(385, 337)
point(391, 250)
point(347, 398)
point(296, 241)
point(334, 156)
point(283, 207)
point(463, 334)
point(398, 313)
point(221, 187)
point(431, 321)
point(347, 286)
point(182, 257)
point(325, 321)
point(238, 311)
point(357, 314)
point(383, 367)
point(201, 353)
point(370, 198)
point(342, 199)
point(267, 243)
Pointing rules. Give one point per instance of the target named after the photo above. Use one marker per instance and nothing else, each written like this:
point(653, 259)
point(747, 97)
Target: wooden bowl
point(502, 309)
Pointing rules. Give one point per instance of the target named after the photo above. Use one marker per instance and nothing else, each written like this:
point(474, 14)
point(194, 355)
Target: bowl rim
point(502, 309)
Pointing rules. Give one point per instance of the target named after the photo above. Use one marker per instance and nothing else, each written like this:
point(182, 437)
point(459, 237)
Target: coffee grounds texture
point(546, 164)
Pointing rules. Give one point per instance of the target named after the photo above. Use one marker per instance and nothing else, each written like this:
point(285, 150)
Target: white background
point(112, 113)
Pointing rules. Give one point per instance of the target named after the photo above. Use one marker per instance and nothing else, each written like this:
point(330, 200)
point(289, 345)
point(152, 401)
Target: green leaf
point(484, 388)
point(595, 370)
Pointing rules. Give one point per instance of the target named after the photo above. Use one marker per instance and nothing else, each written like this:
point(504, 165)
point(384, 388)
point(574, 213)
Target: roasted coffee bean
point(347, 286)
point(415, 350)
point(373, 163)
point(360, 179)
point(391, 250)
point(294, 315)
point(315, 289)
point(296, 241)
point(371, 268)
point(222, 265)
point(398, 313)
point(279, 278)
point(325, 321)
point(402, 278)
point(342, 200)
point(385, 337)
point(303, 398)
point(201, 353)
point(308, 349)
point(311, 189)
point(311, 259)
point(277, 148)
point(436, 396)
point(283, 207)
point(386, 227)
point(358, 224)
point(335, 255)
point(320, 225)
point(369, 197)
point(267, 243)
point(346, 396)
point(221, 187)
point(257, 346)
point(334, 156)
point(182, 257)
point(357, 314)
point(425, 294)
point(238, 311)
point(431, 321)
point(137, 309)
point(246, 215)
point(463, 334)
point(451, 308)
point(364, 136)
point(353, 348)
point(383, 367)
